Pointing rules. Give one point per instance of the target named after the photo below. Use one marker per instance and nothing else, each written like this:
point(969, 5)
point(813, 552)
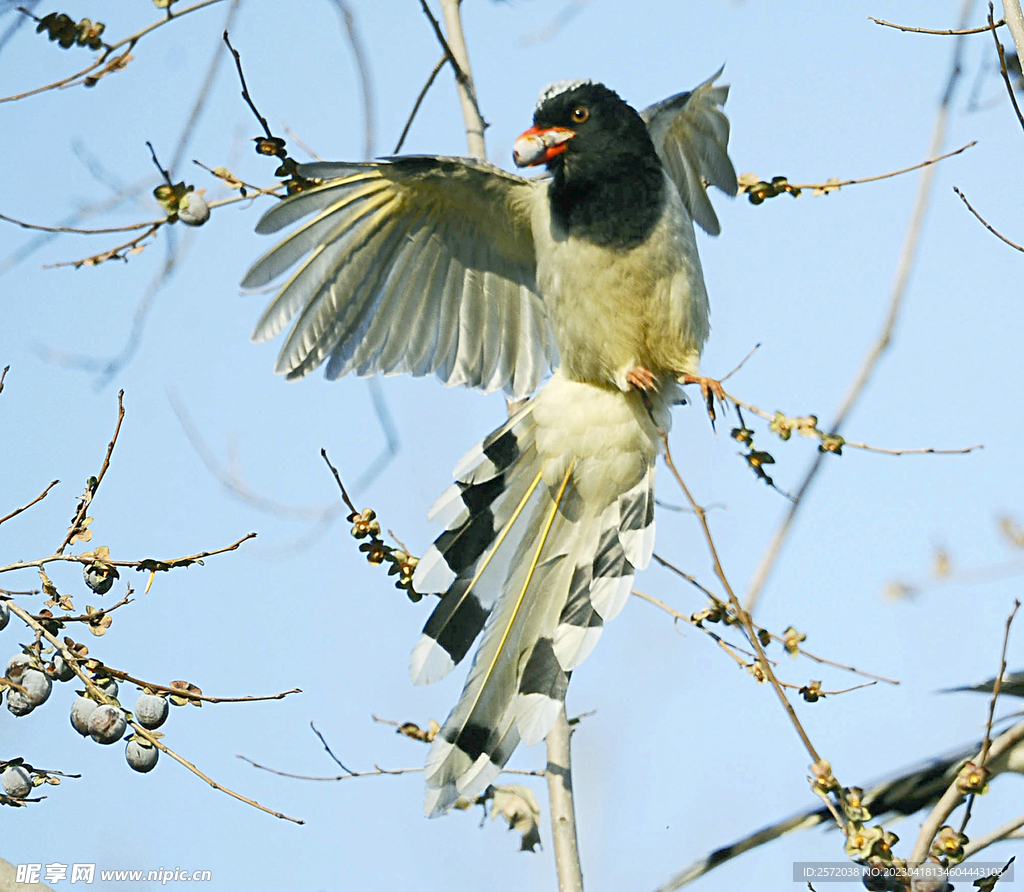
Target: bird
point(903, 793)
point(585, 279)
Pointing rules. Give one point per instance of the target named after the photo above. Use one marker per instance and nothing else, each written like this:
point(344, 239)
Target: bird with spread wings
point(587, 277)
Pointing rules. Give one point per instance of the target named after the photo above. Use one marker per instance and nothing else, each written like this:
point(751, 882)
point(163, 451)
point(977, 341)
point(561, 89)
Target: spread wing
point(691, 136)
point(412, 265)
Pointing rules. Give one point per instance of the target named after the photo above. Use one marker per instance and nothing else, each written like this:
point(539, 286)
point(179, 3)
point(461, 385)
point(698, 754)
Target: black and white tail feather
point(545, 525)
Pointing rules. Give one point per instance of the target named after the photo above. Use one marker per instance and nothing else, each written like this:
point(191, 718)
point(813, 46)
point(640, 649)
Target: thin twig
point(145, 564)
point(1000, 833)
point(190, 695)
point(668, 565)
point(740, 364)
point(419, 101)
point(118, 252)
point(455, 48)
point(809, 431)
point(330, 752)
point(131, 227)
point(742, 614)
point(199, 103)
point(245, 90)
point(985, 222)
point(83, 508)
point(38, 498)
point(376, 771)
point(88, 617)
point(834, 185)
point(981, 29)
point(843, 666)
point(731, 649)
point(997, 686)
point(908, 252)
point(341, 486)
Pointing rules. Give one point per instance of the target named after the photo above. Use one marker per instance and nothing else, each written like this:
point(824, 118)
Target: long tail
point(547, 520)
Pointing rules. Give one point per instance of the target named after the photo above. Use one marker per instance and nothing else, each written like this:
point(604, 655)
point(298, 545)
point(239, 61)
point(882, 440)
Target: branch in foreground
point(758, 190)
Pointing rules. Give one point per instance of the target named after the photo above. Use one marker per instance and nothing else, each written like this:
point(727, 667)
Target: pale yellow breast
point(615, 310)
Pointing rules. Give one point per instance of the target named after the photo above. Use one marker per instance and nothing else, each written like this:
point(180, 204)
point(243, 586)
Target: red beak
point(539, 145)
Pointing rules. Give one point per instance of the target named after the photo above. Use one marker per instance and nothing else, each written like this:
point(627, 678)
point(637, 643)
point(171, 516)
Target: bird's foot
point(643, 379)
point(710, 388)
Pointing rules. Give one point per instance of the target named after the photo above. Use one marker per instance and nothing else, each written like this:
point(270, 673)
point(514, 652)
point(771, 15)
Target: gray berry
point(37, 685)
point(18, 703)
point(107, 685)
point(100, 577)
point(150, 710)
point(17, 666)
point(107, 724)
point(62, 671)
point(193, 209)
point(5, 614)
point(81, 712)
point(17, 781)
point(141, 755)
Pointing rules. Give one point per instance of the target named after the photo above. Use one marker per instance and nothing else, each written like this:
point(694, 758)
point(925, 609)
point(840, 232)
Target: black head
point(608, 182)
point(583, 121)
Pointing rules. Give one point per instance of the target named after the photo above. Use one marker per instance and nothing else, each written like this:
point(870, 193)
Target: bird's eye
point(580, 114)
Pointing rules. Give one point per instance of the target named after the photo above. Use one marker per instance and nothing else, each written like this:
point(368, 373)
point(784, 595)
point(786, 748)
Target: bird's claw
point(710, 388)
point(643, 379)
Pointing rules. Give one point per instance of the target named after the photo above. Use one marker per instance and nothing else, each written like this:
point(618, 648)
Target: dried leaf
point(414, 731)
point(49, 589)
point(82, 533)
point(179, 700)
point(517, 805)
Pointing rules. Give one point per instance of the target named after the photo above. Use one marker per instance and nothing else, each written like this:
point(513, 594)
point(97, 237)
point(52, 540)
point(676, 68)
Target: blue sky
point(684, 751)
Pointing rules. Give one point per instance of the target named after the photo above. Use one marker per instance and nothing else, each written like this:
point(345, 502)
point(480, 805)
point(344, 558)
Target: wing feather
point(416, 264)
point(691, 136)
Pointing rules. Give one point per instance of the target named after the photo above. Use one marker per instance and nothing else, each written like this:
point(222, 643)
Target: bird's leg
point(709, 389)
point(643, 379)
